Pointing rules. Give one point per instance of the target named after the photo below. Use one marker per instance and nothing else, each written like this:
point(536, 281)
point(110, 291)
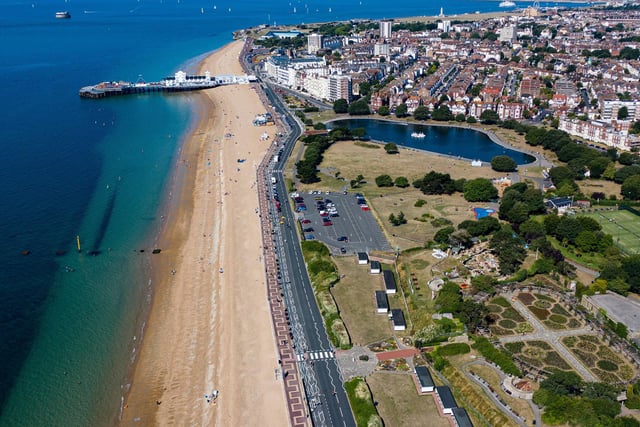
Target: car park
point(308, 230)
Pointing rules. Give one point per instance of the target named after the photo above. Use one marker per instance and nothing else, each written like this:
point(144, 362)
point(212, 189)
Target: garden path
point(551, 336)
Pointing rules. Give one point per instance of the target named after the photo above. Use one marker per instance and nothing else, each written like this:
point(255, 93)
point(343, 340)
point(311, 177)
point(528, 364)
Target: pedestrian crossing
point(316, 355)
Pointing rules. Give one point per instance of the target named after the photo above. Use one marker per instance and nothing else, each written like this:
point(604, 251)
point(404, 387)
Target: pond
point(452, 141)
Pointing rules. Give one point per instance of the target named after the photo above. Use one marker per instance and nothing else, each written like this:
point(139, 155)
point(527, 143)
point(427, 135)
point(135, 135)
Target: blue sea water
point(451, 141)
point(100, 170)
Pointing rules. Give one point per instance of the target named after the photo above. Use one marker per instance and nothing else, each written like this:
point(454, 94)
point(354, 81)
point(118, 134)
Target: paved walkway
point(551, 336)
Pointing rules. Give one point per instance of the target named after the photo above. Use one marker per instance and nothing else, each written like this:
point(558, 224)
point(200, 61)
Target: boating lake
point(448, 140)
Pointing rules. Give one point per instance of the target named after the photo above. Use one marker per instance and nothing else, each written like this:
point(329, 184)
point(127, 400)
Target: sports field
point(622, 225)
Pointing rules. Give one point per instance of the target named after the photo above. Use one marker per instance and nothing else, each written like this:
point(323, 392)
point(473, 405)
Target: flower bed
point(542, 304)
point(544, 297)
point(554, 359)
point(511, 313)
point(526, 298)
point(607, 365)
point(558, 309)
point(540, 313)
point(507, 324)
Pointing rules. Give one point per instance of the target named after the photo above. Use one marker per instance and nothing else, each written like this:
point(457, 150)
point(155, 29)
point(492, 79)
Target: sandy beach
point(209, 326)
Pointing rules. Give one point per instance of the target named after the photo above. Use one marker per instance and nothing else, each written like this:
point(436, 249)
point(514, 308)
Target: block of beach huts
point(389, 282)
point(446, 400)
point(461, 418)
point(398, 320)
point(363, 258)
point(382, 302)
point(425, 379)
point(375, 267)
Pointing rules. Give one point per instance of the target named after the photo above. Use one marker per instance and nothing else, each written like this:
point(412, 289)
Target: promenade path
point(552, 337)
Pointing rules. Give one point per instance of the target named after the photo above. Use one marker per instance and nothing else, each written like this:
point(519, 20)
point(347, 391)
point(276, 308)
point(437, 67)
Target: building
point(385, 29)
point(375, 267)
point(389, 282)
point(397, 317)
point(461, 418)
point(381, 49)
point(339, 87)
point(363, 258)
point(508, 34)
point(446, 400)
point(314, 43)
point(599, 131)
point(561, 204)
point(611, 107)
point(425, 379)
point(616, 308)
point(382, 302)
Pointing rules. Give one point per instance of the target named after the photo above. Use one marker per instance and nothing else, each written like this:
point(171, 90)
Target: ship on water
point(507, 3)
point(63, 15)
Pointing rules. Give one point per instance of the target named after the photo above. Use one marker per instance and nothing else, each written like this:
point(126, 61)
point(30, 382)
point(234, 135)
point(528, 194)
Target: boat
point(63, 15)
point(506, 3)
point(417, 135)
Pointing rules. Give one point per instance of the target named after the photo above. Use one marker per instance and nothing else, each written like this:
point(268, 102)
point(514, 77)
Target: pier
point(179, 82)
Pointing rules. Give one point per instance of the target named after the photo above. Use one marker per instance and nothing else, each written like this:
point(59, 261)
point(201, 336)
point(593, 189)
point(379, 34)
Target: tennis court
point(622, 225)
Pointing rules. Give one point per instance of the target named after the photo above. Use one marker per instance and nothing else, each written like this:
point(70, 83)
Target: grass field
point(622, 225)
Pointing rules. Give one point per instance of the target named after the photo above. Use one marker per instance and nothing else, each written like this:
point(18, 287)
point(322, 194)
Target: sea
point(95, 174)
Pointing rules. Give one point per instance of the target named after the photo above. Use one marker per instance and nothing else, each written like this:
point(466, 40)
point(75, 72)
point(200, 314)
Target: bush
point(499, 357)
point(454, 349)
point(384, 181)
point(607, 365)
point(361, 402)
point(503, 164)
point(420, 203)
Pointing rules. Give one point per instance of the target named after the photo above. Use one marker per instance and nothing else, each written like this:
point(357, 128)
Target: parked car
point(342, 238)
point(308, 230)
point(343, 251)
point(326, 221)
point(305, 221)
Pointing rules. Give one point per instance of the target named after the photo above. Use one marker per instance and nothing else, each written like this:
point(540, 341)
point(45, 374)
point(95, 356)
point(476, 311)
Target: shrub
point(501, 301)
point(514, 347)
point(558, 318)
point(361, 403)
point(507, 324)
point(503, 164)
point(501, 358)
point(607, 365)
point(420, 203)
point(454, 349)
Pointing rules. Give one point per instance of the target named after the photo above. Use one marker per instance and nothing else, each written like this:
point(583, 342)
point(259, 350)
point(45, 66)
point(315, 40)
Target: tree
point(435, 183)
point(503, 164)
point(391, 148)
point(442, 235)
point(384, 181)
point(509, 248)
point(401, 182)
point(623, 113)
point(587, 241)
point(383, 110)
point(401, 110)
point(421, 113)
point(479, 190)
point(340, 106)
point(630, 189)
point(489, 117)
point(563, 383)
point(460, 117)
point(359, 108)
point(442, 113)
point(484, 283)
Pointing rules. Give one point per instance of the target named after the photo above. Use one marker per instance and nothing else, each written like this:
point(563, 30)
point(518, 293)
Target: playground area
point(622, 225)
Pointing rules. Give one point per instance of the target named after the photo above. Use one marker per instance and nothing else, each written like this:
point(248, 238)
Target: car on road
point(343, 251)
point(343, 239)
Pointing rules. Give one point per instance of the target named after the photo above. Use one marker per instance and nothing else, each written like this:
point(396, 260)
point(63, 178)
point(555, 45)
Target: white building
point(385, 29)
point(314, 43)
point(381, 49)
point(598, 131)
point(610, 108)
point(508, 34)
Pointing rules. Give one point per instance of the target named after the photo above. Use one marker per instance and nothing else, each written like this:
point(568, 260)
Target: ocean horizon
point(71, 322)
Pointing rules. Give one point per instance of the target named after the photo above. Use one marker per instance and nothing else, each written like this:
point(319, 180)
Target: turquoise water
point(99, 169)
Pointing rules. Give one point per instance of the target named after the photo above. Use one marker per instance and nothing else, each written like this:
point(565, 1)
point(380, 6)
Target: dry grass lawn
point(519, 405)
point(399, 403)
point(355, 296)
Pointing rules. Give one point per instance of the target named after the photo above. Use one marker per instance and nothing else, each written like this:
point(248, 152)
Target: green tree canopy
point(384, 181)
point(340, 106)
point(479, 190)
point(401, 110)
point(489, 117)
point(383, 110)
point(421, 113)
point(359, 108)
point(401, 182)
point(391, 148)
point(503, 164)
